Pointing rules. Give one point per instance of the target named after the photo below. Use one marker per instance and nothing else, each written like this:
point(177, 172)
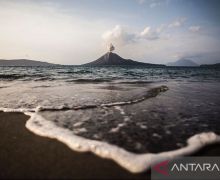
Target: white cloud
point(118, 36)
point(155, 45)
point(177, 23)
point(194, 28)
point(149, 34)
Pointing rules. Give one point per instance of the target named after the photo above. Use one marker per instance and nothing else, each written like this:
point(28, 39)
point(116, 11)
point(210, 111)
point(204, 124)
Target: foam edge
point(135, 163)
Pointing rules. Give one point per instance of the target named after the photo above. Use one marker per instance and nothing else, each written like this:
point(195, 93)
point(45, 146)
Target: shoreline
point(26, 155)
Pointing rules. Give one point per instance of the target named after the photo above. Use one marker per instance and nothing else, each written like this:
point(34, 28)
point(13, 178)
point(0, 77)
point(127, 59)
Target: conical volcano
point(112, 59)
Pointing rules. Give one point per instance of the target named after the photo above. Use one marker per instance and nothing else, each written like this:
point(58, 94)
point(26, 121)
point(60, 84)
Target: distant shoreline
point(101, 62)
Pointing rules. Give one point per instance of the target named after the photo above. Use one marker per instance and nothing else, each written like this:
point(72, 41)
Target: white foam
point(120, 109)
point(80, 130)
point(117, 129)
point(17, 110)
point(135, 163)
point(78, 124)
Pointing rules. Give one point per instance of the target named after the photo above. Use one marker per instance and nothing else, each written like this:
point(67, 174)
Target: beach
point(104, 122)
point(26, 155)
point(109, 90)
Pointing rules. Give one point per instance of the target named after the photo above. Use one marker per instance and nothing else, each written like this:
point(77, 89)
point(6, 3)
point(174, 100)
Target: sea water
point(133, 115)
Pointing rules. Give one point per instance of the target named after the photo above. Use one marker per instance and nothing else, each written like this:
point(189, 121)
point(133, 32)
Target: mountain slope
point(24, 62)
point(112, 59)
point(182, 62)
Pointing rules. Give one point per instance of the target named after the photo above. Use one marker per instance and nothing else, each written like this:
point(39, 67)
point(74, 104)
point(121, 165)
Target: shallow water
point(115, 105)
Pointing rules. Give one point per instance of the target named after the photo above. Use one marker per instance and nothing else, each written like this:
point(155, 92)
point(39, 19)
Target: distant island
point(108, 59)
point(183, 62)
point(217, 65)
point(112, 59)
point(24, 62)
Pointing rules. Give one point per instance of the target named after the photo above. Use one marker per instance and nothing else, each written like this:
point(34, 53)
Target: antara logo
point(163, 169)
point(195, 167)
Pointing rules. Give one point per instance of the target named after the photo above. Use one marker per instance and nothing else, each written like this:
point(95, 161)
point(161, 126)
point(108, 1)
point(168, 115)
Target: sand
point(26, 155)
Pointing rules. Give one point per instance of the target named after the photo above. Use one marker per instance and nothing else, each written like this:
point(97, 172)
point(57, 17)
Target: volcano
point(112, 59)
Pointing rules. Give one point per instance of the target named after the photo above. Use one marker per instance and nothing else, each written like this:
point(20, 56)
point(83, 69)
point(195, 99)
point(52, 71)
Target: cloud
point(152, 44)
point(153, 3)
point(177, 23)
point(121, 37)
point(150, 34)
point(194, 28)
point(46, 33)
point(118, 36)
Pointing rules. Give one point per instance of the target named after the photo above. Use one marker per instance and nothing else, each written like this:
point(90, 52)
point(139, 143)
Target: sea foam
point(132, 162)
point(135, 163)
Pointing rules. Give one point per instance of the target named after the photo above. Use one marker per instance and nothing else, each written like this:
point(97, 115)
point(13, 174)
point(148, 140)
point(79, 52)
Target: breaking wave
point(60, 100)
point(149, 94)
point(97, 80)
point(135, 163)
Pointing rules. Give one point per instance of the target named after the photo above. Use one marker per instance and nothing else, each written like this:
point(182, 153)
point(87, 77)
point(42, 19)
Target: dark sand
point(26, 155)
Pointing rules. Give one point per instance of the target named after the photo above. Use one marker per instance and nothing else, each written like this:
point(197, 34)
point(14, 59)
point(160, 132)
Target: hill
point(182, 62)
point(112, 59)
point(24, 62)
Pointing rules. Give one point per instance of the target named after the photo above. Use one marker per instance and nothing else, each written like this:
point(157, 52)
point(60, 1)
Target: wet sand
point(26, 155)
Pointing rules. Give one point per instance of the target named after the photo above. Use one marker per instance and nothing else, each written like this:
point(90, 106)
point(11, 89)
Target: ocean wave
point(64, 108)
point(22, 110)
point(132, 162)
point(135, 163)
point(11, 77)
point(98, 80)
point(107, 74)
point(149, 94)
point(41, 86)
point(135, 82)
point(44, 79)
point(75, 72)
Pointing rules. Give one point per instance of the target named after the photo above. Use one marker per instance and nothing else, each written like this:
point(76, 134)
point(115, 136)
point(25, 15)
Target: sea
point(135, 116)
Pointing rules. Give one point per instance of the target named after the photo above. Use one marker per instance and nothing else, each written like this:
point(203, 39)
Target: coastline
point(26, 155)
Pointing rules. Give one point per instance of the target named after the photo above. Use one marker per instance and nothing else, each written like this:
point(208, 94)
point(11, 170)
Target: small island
point(113, 59)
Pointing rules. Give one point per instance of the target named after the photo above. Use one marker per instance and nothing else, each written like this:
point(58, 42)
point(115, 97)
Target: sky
point(79, 31)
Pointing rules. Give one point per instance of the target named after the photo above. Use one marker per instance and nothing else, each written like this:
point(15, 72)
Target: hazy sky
point(78, 31)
